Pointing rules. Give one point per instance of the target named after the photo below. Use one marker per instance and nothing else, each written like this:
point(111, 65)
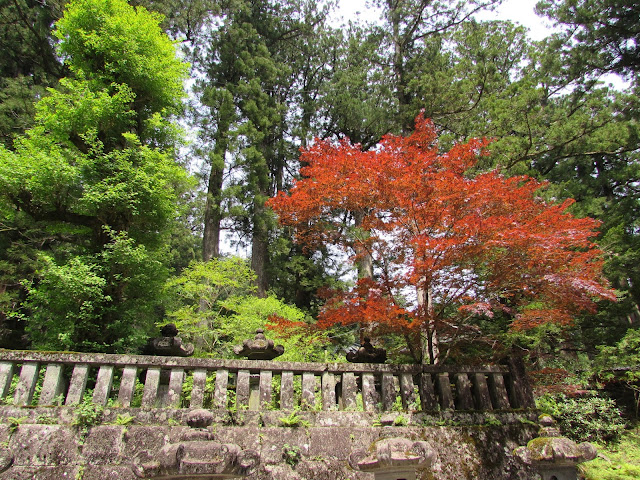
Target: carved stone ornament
point(196, 456)
point(169, 344)
point(555, 456)
point(6, 459)
point(367, 353)
point(393, 456)
point(260, 348)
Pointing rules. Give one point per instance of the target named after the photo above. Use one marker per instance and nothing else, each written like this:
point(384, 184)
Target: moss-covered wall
point(42, 443)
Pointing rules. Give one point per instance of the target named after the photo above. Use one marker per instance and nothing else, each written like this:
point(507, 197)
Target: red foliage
point(478, 243)
point(284, 327)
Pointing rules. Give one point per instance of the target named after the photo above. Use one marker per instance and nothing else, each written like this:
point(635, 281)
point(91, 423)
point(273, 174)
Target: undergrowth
point(619, 461)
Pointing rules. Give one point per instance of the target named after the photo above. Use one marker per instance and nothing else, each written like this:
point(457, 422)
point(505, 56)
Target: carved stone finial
point(367, 353)
point(169, 344)
point(260, 348)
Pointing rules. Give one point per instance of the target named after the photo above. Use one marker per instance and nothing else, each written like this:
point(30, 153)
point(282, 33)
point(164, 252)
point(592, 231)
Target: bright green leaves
point(112, 42)
point(93, 185)
point(213, 304)
point(79, 113)
point(67, 300)
point(95, 302)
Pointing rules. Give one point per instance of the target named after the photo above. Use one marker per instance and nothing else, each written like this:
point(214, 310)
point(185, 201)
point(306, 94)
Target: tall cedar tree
point(479, 244)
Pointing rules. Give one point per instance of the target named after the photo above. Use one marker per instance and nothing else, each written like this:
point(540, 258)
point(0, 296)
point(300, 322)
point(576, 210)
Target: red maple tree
point(448, 243)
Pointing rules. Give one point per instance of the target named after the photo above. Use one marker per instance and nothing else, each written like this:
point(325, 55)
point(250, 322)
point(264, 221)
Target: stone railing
point(50, 378)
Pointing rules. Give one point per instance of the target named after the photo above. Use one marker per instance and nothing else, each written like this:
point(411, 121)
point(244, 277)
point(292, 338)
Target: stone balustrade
point(52, 378)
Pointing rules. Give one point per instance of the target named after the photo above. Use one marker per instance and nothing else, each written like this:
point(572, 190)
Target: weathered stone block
point(142, 438)
point(41, 473)
point(247, 438)
point(111, 472)
point(329, 442)
point(52, 445)
point(103, 445)
point(273, 441)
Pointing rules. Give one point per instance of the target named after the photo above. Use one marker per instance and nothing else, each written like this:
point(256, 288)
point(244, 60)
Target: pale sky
point(520, 11)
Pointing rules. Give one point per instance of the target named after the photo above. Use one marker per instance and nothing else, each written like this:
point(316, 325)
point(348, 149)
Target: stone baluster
point(151, 386)
point(53, 384)
point(127, 385)
point(220, 390)
point(7, 369)
point(407, 391)
point(176, 379)
point(444, 391)
point(349, 391)
point(26, 384)
point(198, 389)
point(103, 385)
point(286, 391)
point(266, 377)
point(369, 394)
point(481, 392)
point(78, 384)
point(427, 393)
point(308, 400)
point(498, 392)
point(328, 391)
point(388, 392)
point(243, 389)
point(463, 392)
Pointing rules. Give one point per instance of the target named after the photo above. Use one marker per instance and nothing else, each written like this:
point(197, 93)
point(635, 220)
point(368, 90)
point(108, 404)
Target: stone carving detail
point(197, 455)
point(367, 353)
point(6, 459)
point(393, 455)
point(169, 344)
point(554, 456)
point(260, 348)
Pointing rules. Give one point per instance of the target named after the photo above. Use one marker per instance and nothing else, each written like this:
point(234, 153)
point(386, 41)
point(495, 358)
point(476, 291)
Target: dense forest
point(447, 186)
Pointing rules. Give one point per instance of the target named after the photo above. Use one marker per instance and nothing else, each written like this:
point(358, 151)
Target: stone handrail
point(176, 382)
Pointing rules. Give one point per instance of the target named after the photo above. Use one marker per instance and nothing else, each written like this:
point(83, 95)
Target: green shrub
point(584, 419)
point(616, 462)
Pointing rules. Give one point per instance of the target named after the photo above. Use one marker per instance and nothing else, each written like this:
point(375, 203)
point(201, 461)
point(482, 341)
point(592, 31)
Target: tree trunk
point(259, 249)
point(429, 335)
point(212, 216)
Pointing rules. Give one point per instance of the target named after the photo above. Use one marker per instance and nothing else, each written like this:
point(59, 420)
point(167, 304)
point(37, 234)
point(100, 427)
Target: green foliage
point(293, 420)
point(87, 414)
point(44, 419)
point(213, 304)
point(400, 421)
point(125, 419)
point(620, 461)
point(14, 423)
point(625, 354)
point(113, 43)
point(492, 421)
point(584, 419)
point(291, 454)
point(28, 64)
point(89, 194)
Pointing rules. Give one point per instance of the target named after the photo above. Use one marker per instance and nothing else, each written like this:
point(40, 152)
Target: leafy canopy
point(478, 244)
point(93, 187)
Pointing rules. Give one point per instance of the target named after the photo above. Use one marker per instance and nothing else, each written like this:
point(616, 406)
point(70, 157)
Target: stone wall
point(42, 443)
